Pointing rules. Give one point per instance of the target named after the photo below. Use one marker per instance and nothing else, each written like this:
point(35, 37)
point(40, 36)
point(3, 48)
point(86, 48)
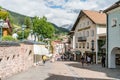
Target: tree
point(20, 34)
point(42, 27)
point(28, 22)
point(3, 14)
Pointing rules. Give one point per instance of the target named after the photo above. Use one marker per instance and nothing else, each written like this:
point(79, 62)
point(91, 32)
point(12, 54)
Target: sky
point(59, 12)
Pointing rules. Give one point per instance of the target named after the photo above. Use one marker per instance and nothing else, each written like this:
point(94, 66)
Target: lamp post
point(92, 43)
point(1, 25)
point(23, 28)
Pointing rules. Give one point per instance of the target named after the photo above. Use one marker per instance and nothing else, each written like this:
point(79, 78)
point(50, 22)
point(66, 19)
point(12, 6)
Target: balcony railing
point(80, 39)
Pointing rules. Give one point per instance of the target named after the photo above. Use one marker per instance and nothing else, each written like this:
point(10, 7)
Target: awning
point(77, 52)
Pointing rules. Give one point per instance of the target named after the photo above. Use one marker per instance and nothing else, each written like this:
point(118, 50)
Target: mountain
point(17, 18)
point(67, 26)
point(59, 29)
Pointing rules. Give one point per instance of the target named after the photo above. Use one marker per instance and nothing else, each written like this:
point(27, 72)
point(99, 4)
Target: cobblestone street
point(67, 71)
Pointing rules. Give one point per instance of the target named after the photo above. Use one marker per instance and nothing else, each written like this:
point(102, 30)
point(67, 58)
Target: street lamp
point(1, 25)
point(92, 43)
point(23, 28)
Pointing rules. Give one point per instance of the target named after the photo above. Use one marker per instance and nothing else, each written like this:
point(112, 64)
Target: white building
point(113, 34)
point(89, 27)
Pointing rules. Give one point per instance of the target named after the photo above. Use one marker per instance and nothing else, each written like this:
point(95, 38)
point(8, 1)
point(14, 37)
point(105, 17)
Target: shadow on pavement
point(114, 73)
point(62, 77)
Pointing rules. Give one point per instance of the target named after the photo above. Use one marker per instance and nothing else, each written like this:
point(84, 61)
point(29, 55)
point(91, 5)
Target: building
point(6, 28)
point(58, 47)
point(89, 28)
point(113, 34)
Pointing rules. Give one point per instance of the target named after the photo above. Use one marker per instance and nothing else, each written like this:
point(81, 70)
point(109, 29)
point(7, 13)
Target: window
point(88, 23)
point(83, 33)
point(87, 45)
point(76, 45)
point(92, 33)
point(87, 33)
point(79, 33)
point(83, 45)
point(114, 22)
point(79, 45)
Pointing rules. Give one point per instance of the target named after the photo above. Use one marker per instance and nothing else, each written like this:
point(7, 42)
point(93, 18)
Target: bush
point(8, 38)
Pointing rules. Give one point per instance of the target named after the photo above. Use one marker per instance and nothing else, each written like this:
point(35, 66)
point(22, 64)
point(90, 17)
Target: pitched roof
point(96, 17)
point(117, 4)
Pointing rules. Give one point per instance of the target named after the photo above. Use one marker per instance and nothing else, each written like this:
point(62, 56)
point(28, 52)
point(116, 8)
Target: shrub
point(8, 38)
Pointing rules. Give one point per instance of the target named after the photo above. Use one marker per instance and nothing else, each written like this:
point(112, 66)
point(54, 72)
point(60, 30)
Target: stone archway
point(115, 51)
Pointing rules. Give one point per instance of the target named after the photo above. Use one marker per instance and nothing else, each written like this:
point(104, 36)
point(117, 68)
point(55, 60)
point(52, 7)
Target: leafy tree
point(28, 22)
point(42, 27)
point(3, 14)
point(20, 34)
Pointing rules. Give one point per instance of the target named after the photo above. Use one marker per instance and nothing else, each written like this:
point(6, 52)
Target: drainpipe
point(107, 41)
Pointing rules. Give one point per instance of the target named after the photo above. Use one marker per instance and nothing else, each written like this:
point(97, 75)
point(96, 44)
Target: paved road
point(67, 71)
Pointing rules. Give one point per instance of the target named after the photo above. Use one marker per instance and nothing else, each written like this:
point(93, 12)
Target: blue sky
point(60, 12)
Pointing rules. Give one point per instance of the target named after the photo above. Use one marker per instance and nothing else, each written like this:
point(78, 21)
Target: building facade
point(113, 35)
point(89, 27)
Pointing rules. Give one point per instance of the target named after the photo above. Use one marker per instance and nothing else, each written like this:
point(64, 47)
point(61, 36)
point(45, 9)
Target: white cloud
point(59, 16)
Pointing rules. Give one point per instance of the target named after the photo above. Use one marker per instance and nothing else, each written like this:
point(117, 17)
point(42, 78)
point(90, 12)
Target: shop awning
point(77, 52)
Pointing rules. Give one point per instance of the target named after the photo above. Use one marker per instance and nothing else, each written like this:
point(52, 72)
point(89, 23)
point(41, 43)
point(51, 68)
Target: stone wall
point(14, 58)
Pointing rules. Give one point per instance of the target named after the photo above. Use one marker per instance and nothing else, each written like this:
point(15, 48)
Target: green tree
point(20, 34)
point(3, 14)
point(42, 27)
point(28, 22)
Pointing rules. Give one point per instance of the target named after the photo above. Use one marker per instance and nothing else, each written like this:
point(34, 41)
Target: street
point(67, 70)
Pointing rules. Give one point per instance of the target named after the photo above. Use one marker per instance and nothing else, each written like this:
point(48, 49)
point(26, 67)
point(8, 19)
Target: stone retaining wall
point(14, 58)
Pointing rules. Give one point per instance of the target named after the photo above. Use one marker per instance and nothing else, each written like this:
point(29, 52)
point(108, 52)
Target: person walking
point(44, 59)
point(82, 61)
point(103, 61)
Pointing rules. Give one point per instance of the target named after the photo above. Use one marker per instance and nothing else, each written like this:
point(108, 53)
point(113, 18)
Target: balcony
point(81, 39)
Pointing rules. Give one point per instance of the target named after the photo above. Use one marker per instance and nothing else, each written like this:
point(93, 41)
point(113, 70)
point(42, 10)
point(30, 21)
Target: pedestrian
point(62, 57)
point(88, 60)
point(103, 61)
point(44, 59)
point(82, 61)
